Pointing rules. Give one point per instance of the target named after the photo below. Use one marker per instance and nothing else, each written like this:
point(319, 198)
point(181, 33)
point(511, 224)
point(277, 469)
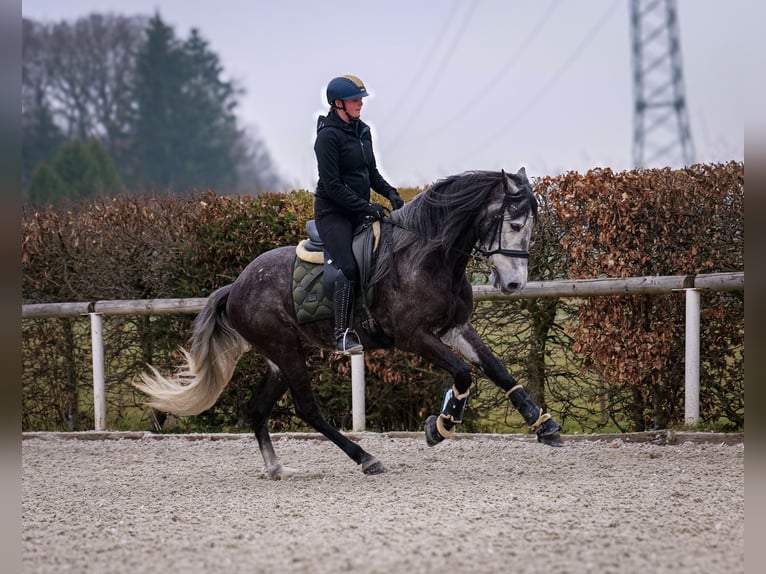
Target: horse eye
point(516, 226)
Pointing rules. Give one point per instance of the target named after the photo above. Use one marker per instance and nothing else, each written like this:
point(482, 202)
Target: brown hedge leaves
point(647, 223)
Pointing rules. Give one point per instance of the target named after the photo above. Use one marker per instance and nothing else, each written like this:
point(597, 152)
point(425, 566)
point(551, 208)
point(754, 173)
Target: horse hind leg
point(265, 396)
point(307, 408)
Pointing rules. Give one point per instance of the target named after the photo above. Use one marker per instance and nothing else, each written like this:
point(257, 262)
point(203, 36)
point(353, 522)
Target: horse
point(423, 304)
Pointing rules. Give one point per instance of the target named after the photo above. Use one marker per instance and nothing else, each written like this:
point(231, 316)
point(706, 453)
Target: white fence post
point(357, 392)
point(692, 360)
point(99, 394)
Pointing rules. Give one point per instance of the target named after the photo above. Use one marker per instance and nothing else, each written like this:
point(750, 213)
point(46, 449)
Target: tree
point(46, 186)
point(157, 93)
point(107, 180)
point(212, 132)
point(80, 170)
point(42, 137)
point(186, 133)
point(77, 169)
point(76, 84)
point(255, 169)
point(158, 105)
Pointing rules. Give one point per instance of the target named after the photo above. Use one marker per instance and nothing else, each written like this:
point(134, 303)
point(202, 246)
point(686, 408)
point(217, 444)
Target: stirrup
point(347, 343)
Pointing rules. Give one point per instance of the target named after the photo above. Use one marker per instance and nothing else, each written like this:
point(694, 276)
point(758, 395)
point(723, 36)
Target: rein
point(423, 238)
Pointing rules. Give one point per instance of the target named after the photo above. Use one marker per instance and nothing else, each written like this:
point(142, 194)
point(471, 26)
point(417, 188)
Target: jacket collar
point(333, 120)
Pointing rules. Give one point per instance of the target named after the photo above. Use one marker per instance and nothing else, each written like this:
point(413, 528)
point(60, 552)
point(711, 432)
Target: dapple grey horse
point(423, 305)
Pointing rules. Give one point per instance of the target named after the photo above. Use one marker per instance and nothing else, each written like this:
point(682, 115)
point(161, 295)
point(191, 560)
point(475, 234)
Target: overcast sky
point(457, 84)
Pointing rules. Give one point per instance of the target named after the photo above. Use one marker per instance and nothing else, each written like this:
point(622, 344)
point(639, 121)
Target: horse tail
point(215, 349)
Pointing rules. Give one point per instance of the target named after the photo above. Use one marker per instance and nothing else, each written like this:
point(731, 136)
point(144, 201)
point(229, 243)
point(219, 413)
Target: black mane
point(444, 218)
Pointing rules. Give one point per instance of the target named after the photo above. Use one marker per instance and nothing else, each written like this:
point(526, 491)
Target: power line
point(418, 76)
point(502, 131)
point(486, 89)
point(437, 74)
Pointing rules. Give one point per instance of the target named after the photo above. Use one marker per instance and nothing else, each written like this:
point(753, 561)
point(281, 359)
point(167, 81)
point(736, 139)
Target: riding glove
point(396, 200)
point(376, 210)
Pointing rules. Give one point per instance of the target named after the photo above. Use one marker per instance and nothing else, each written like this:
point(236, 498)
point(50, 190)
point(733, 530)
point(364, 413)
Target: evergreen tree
point(158, 95)
point(186, 133)
point(79, 171)
point(107, 180)
point(46, 187)
point(211, 126)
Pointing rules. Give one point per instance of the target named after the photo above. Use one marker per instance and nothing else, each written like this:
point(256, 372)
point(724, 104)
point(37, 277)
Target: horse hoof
point(374, 466)
point(432, 433)
point(548, 433)
point(551, 439)
point(281, 473)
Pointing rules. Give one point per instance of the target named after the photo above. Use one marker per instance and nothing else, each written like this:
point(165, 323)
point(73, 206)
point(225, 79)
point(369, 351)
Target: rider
point(347, 170)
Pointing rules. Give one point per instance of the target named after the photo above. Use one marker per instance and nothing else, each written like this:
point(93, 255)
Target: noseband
point(509, 205)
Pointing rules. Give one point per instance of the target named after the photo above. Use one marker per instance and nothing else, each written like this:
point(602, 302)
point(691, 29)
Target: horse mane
point(443, 218)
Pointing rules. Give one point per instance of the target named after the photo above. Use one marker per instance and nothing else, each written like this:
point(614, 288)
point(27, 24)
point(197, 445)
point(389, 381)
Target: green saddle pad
point(308, 294)
point(309, 299)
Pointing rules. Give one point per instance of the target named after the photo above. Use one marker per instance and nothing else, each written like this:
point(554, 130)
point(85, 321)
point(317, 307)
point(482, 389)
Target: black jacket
point(347, 168)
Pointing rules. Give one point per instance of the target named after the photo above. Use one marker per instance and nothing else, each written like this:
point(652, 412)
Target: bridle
point(510, 204)
point(495, 233)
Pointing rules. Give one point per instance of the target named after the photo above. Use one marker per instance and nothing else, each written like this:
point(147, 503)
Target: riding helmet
point(345, 88)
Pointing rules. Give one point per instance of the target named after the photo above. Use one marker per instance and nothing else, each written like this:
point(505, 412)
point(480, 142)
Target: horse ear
point(522, 173)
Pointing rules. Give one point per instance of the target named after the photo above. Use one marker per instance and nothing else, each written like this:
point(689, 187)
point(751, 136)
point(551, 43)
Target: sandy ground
point(486, 504)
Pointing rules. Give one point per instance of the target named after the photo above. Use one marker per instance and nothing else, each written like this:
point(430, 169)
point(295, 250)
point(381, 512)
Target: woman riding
point(347, 171)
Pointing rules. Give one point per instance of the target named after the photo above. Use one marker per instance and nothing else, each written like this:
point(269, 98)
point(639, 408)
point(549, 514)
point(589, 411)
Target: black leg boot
point(346, 339)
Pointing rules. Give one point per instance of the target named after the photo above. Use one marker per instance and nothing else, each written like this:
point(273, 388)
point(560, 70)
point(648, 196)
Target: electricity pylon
point(661, 133)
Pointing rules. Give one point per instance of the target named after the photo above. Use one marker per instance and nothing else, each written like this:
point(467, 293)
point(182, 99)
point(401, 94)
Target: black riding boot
point(346, 339)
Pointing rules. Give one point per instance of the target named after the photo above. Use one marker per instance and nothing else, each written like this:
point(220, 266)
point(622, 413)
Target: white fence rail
point(692, 285)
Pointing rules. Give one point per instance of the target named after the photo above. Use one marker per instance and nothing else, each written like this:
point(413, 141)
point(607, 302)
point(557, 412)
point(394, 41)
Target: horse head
point(506, 235)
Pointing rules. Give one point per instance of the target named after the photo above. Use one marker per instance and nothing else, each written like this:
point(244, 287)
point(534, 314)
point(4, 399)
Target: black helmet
point(345, 88)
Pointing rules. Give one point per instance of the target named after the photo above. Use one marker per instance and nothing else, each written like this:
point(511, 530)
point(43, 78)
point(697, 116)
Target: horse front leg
point(467, 341)
point(431, 348)
point(438, 428)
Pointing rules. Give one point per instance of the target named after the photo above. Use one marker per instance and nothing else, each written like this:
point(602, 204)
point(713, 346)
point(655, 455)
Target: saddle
point(314, 275)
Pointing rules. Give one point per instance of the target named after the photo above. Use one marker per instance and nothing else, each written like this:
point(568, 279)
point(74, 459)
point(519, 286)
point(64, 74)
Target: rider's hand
point(376, 210)
point(396, 200)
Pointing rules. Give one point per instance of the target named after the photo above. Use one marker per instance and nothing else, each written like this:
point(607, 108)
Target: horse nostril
point(513, 286)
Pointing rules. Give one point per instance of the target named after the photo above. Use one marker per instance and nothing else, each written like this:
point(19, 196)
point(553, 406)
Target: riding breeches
point(337, 233)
